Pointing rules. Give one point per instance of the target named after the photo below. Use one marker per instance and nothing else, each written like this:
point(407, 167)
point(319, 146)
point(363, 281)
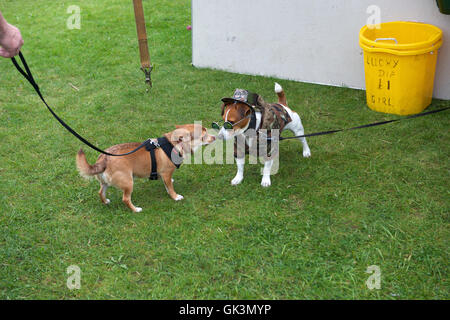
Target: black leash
point(363, 126)
point(29, 76)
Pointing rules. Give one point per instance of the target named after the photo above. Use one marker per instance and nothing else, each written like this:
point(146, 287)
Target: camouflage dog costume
point(273, 116)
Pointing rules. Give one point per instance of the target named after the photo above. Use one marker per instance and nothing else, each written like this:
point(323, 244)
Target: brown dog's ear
point(181, 135)
point(245, 111)
point(223, 109)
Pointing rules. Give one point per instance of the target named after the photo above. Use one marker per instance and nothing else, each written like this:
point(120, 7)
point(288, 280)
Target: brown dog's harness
point(169, 150)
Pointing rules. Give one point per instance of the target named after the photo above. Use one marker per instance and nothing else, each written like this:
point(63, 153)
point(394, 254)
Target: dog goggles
point(227, 125)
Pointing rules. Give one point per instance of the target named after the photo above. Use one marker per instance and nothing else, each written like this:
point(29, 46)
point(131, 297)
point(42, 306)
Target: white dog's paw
point(238, 179)
point(179, 197)
point(138, 209)
point(107, 201)
point(306, 153)
point(265, 182)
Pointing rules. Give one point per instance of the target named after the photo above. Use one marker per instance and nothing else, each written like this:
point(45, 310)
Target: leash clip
point(155, 143)
point(148, 75)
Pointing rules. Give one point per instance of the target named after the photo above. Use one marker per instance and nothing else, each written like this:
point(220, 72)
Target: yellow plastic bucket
point(399, 63)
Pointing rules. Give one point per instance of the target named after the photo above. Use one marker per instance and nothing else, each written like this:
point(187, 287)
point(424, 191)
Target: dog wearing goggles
point(247, 110)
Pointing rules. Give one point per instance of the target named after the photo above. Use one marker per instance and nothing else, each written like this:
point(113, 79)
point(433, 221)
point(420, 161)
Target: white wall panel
point(305, 40)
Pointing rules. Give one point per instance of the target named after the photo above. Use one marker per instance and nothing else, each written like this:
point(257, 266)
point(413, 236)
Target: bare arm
point(10, 39)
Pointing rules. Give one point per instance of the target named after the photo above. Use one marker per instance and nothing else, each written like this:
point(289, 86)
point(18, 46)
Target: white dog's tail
point(280, 93)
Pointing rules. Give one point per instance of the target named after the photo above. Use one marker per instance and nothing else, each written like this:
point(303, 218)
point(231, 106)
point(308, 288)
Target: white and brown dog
point(248, 110)
point(120, 171)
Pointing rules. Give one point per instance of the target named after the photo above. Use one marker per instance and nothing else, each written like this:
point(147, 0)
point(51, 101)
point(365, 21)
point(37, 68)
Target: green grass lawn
point(375, 196)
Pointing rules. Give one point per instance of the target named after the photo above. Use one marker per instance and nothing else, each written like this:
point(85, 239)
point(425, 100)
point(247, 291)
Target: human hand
point(10, 41)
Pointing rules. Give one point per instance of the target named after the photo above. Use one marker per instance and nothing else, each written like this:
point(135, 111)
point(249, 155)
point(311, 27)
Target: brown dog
point(120, 171)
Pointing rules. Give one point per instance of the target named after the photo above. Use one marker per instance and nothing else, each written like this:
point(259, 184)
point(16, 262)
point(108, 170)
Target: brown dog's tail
point(280, 93)
point(86, 170)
